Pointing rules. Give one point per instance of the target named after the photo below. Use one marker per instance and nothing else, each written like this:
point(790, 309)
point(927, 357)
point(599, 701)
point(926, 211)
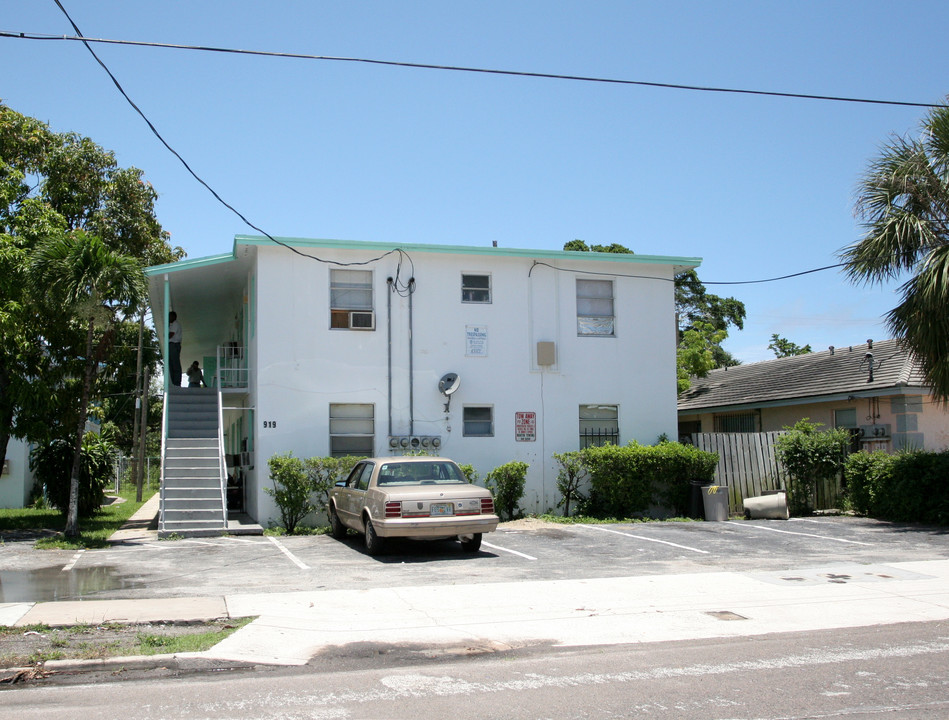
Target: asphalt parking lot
point(516, 552)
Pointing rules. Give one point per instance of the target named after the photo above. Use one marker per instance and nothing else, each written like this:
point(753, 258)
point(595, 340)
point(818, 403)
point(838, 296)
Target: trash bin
point(715, 498)
point(696, 503)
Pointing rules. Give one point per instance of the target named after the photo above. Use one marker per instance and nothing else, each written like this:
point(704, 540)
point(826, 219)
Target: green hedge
point(906, 487)
point(626, 481)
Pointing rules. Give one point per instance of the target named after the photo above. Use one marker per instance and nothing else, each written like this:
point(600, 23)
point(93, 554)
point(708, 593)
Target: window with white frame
point(478, 421)
point(352, 429)
point(475, 288)
point(351, 300)
point(595, 307)
point(599, 425)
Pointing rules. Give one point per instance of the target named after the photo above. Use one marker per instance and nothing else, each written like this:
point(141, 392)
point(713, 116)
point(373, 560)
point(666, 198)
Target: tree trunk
point(72, 514)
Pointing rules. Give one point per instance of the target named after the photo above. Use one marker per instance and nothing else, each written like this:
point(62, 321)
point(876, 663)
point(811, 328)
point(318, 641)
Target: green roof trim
point(188, 264)
point(302, 243)
point(469, 250)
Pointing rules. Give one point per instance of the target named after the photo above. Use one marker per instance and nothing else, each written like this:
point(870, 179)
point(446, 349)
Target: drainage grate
point(726, 615)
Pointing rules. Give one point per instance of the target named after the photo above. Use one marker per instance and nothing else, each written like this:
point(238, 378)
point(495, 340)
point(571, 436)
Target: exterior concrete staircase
point(192, 492)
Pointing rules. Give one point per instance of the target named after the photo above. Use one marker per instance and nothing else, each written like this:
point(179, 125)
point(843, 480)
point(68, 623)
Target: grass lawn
point(93, 531)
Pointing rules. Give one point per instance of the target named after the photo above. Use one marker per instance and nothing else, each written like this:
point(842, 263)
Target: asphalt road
point(516, 552)
point(897, 672)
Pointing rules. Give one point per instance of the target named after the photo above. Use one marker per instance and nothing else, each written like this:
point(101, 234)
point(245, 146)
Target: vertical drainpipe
point(411, 363)
point(389, 350)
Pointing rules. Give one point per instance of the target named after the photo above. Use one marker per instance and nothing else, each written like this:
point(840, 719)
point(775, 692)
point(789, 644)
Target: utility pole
point(139, 394)
point(139, 479)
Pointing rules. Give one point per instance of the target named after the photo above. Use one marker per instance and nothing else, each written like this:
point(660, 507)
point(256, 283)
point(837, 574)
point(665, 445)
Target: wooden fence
point(748, 466)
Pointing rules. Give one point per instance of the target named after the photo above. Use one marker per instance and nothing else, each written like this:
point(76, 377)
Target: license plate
point(440, 509)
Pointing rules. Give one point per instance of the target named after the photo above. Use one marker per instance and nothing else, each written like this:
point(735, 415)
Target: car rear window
point(420, 473)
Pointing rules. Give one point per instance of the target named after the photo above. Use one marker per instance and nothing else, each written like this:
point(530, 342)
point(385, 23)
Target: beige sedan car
point(421, 498)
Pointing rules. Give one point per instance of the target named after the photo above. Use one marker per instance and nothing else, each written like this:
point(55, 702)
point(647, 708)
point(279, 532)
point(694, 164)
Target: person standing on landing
point(174, 348)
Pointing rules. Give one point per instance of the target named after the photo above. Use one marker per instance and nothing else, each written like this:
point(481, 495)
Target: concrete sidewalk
point(292, 628)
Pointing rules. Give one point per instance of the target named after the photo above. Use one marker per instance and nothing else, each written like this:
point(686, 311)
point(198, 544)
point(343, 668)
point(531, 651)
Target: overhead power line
point(402, 254)
point(79, 37)
point(401, 286)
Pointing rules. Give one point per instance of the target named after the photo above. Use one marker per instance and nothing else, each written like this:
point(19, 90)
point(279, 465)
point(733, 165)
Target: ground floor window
point(478, 421)
point(599, 425)
point(352, 429)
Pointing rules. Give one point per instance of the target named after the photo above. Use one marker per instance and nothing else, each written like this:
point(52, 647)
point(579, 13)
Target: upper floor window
point(351, 300)
point(594, 307)
point(475, 288)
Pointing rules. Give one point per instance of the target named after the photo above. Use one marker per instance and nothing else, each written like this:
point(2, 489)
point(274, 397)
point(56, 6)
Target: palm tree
point(904, 203)
point(96, 283)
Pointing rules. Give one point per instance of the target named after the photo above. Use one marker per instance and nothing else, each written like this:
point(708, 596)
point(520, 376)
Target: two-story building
point(482, 354)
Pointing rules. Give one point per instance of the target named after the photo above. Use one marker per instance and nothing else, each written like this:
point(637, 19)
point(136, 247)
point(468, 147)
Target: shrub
point(625, 481)
point(809, 456)
point(620, 484)
point(323, 473)
point(907, 487)
point(864, 476)
point(506, 482)
point(471, 475)
point(679, 466)
point(52, 464)
point(571, 475)
point(291, 490)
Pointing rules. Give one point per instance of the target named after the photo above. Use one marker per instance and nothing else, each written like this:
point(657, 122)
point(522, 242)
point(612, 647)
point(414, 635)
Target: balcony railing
point(232, 371)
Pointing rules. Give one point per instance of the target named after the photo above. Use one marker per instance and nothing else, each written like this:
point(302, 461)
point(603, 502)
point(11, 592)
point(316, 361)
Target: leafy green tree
point(78, 272)
point(783, 347)
point(695, 355)
point(52, 462)
point(52, 185)
point(903, 201)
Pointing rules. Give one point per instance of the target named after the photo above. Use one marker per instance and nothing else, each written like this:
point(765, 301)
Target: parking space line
point(72, 563)
point(231, 538)
point(802, 534)
point(293, 558)
point(502, 549)
point(640, 537)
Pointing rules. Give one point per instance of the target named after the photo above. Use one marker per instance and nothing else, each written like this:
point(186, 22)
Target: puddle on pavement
point(48, 584)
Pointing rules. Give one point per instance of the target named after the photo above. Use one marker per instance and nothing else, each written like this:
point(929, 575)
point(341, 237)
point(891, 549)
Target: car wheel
point(337, 529)
point(470, 543)
point(374, 543)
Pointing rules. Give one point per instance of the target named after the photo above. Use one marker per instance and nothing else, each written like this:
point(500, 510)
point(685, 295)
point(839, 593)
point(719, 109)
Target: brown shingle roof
point(845, 370)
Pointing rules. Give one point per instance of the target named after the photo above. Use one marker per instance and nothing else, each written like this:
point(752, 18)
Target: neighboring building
point(875, 389)
point(344, 353)
point(16, 477)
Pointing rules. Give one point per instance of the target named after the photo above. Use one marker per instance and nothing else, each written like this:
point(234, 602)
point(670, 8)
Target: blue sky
point(758, 187)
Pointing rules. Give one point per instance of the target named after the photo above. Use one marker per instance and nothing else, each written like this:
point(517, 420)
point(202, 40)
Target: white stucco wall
point(17, 482)
point(302, 366)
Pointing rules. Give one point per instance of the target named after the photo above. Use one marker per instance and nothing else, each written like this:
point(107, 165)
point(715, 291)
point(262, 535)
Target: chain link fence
point(123, 473)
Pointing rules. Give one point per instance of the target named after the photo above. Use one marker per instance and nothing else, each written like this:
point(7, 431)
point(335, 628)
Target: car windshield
point(420, 473)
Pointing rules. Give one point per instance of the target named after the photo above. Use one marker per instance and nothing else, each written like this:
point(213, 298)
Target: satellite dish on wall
point(447, 385)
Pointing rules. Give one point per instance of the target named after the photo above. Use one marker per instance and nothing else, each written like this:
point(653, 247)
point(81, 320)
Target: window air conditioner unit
point(362, 320)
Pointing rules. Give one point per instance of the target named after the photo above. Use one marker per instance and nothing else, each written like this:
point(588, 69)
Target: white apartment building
point(482, 354)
